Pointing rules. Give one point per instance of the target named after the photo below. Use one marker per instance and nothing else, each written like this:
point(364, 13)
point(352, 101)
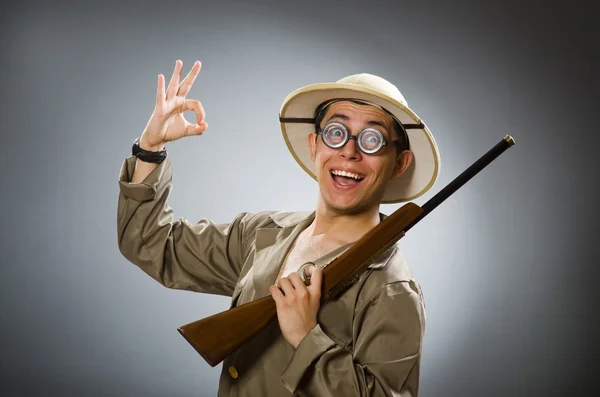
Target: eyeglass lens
point(336, 135)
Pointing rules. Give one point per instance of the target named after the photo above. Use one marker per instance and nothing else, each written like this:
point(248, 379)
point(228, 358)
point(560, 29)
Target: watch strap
point(146, 155)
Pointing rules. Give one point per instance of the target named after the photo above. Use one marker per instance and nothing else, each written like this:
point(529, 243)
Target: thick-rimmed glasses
point(369, 140)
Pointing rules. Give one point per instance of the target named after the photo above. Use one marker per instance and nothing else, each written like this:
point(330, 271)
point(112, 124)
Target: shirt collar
point(290, 219)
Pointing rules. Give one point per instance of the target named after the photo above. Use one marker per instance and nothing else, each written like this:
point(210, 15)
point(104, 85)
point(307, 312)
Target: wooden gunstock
point(218, 336)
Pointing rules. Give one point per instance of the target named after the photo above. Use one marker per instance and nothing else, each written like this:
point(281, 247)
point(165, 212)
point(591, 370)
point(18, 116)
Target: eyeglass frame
point(398, 126)
point(349, 136)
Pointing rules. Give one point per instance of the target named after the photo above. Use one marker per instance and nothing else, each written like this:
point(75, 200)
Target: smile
point(345, 179)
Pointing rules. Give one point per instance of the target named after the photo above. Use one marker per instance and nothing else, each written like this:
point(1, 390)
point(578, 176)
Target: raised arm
point(203, 257)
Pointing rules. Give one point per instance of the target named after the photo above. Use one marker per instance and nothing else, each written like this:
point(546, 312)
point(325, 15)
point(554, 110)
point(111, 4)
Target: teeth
point(346, 174)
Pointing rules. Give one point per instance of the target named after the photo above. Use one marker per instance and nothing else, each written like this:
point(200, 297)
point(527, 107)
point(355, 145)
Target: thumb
point(316, 277)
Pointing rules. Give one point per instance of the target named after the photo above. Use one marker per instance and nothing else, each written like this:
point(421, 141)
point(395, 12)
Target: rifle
point(218, 336)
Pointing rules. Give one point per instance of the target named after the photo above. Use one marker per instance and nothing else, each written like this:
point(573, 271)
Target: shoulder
point(390, 275)
point(288, 219)
point(275, 218)
point(250, 222)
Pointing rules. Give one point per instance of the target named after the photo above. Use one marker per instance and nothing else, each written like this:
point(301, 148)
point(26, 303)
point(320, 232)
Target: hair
point(402, 143)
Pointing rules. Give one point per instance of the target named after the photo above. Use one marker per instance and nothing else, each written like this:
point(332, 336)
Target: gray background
point(506, 264)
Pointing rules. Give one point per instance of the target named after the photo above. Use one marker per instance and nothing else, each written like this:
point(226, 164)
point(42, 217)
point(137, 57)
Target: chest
point(306, 250)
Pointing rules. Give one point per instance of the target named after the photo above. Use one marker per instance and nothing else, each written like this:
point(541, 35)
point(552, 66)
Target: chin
point(346, 207)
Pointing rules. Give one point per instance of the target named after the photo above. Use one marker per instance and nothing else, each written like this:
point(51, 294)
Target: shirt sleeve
point(202, 257)
point(386, 352)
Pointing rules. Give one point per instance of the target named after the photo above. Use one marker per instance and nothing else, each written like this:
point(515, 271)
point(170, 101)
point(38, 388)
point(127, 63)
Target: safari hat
point(297, 118)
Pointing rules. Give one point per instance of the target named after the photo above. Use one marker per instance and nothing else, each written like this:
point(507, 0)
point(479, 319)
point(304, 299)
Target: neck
point(346, 228)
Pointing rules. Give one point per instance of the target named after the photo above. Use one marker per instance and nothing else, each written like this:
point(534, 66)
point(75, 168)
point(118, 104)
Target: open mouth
point(346, 178)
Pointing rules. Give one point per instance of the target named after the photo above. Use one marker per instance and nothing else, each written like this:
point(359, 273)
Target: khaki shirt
point(367, 342)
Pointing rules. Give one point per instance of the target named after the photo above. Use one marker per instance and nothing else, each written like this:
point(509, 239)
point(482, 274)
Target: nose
point(350, 150)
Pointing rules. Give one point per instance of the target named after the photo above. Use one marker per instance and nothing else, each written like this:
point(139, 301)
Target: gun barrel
point(464, 177)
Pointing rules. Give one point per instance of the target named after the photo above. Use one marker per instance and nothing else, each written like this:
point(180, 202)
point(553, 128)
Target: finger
point(174, 83)
point(296, 281)
point(300, 290)
point(316, 278)
point(195, 129)
point(195, 106)
point(286, 286)
point(186, 84)
point(160, 90)
point(276, 293)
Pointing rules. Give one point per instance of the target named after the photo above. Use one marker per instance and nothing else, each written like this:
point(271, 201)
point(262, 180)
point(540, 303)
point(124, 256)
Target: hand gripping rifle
point(217, 336)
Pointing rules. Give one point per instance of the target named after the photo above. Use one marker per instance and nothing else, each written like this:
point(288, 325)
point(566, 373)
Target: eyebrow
point(346, 118)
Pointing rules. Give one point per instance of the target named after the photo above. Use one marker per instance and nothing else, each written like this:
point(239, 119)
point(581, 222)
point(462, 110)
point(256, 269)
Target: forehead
point(360, 112)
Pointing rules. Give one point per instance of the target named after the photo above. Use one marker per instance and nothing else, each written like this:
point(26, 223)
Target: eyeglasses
point(369, 140)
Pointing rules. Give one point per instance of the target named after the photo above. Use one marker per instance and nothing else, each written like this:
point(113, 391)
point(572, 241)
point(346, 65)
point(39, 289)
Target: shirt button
point(233, 372)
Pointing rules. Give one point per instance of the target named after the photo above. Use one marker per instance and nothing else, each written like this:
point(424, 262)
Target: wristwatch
point(146, 155)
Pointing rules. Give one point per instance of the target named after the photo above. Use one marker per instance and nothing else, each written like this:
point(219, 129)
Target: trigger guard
point(301, 271)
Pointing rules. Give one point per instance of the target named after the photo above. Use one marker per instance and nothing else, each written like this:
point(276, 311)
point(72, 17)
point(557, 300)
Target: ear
point(402, 162)
point(312, 145)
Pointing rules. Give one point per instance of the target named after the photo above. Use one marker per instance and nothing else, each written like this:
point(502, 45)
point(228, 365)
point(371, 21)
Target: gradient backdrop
point(507, 264)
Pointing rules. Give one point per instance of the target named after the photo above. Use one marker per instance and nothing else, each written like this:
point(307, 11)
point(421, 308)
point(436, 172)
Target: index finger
point(196, 106)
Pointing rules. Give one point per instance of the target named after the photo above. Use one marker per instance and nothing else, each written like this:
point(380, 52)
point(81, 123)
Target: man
point(365, 147)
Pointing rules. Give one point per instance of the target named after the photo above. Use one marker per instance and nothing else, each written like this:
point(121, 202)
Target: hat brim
point(414, 182)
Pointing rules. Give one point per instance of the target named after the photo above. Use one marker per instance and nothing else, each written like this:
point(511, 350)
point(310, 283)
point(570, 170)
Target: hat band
point(301, 120)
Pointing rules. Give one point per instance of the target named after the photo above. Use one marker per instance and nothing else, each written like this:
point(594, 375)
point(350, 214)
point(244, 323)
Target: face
point(351, 181)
